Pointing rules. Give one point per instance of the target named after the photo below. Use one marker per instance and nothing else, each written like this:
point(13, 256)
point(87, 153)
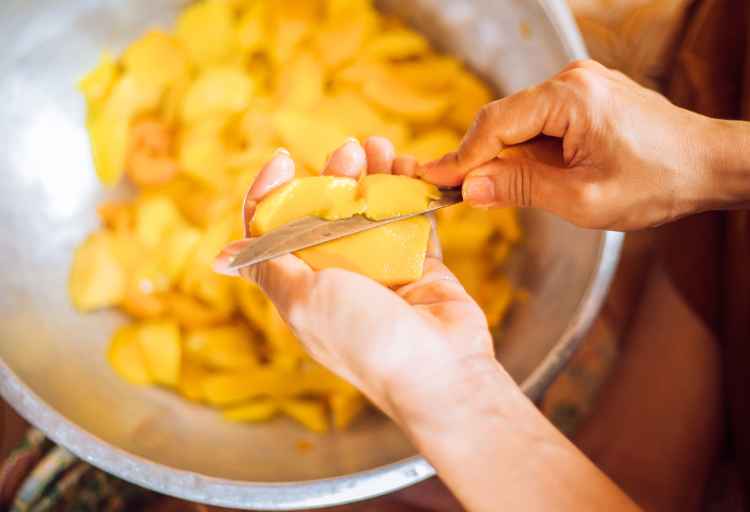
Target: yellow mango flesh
point(392, 254)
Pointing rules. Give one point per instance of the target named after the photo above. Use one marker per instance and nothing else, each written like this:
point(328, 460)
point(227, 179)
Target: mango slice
point(222, 348)
point(157, 58)
point(309, 413)
point(98, 276)
point(392, 254)
point(217, 91)
point(345, 407)
point(126, 358)
point(160, 345)
point(253, 412)
point(207, 30)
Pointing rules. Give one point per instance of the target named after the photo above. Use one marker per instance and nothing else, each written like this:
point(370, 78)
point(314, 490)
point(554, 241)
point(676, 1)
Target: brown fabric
point(711, 75)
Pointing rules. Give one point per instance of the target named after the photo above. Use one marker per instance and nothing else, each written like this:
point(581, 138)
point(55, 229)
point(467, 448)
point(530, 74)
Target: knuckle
point(518, 186)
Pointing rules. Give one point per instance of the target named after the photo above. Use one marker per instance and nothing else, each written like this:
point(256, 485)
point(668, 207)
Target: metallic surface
point(312, 231)
point(52, 366)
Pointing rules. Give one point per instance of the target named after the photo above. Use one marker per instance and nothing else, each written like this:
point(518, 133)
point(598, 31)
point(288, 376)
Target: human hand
point(401, 347)
point(632, 158)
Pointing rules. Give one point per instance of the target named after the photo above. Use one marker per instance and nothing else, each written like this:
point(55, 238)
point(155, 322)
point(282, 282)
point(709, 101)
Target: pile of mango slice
point(188, 118)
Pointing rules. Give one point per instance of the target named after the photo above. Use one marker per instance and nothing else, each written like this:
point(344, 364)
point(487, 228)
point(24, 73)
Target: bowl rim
point(329, 491)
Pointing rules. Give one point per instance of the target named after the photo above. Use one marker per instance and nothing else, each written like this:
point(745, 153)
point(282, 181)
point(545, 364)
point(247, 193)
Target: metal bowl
point(52, 366)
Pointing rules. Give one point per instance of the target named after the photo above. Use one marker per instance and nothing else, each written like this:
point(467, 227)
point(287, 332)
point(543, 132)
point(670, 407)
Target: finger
point(437, 284)
point(380, 155)
point(520, 182)
point(277, 172)
point(405, 165)
point(504, 122)
point(349, 160)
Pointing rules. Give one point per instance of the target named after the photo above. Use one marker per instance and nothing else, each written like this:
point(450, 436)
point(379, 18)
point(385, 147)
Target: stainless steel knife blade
point(311, 231)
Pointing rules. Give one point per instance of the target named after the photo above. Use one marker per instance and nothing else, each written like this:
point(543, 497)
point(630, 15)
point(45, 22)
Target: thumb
point(520, 182)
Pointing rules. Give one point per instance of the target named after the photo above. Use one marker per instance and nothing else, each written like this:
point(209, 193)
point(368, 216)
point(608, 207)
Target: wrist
point(725, 165)
point(455, 394)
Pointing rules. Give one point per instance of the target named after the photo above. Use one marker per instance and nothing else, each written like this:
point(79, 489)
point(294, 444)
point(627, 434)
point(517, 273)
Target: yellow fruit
point(207, 30)
point(97, 83)
point(222, 348)
point(389, 195)
point(160, 345)
point(157, 58)
point(222, 90)
point(98, 277)
point(311, 414)
point(253, 412)
point(397, 44)
point(433, 144)
point(392, 254)
point(327, 197)
point(308, 138)
point(190, 384)
point(345, 407)
point(126, 358)
point(301, 82)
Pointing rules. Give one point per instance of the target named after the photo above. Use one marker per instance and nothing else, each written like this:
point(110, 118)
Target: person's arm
point(632, 159)
point(424, 355)
point(492, 446)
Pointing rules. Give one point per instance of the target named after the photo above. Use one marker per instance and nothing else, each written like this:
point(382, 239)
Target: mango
point(221, 90)
point(253, 412)
point(227, 347)
point(98, 277)
point(392, 254)
point(160, 345)
point(311, 414)
point(208, 31)
point(126, 358)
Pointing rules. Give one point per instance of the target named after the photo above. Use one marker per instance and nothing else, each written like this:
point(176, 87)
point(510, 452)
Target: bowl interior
point(47, 200)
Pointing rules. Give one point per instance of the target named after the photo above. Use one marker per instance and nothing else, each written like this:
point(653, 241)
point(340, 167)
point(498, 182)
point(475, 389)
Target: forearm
point(726, 172)
point(495, 451)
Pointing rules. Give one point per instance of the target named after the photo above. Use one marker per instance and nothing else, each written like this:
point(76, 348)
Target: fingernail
point(223, 261)
point(479, 190)
point(352, 139)
point(282, 151)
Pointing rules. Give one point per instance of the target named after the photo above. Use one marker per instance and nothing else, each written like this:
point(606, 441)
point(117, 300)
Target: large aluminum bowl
point(52, 361)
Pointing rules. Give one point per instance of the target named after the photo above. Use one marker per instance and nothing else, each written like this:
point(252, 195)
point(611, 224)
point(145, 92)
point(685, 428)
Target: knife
point(312, 231)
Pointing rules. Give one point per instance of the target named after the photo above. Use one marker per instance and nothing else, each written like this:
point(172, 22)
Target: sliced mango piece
point(396, 44)
point(252, 412)
point(390, 195)
point(98, 277)
point(291, 23)
point(311, 414)
point(397, 97)
point(231, 388)
point(392, 254)
point(191, 380)
point(328, 197)
point(126, 358)
point(191, 313)
point(301, 82)
point(470, 94)
point(433, 144)
point(160, 345)
point(345, 407)
point(157, 58)
point(308, 138)
point(222, 348)
point(154, 217)
point(207, 30)
point(97, 83)
point(253, 27)
point(219, 90)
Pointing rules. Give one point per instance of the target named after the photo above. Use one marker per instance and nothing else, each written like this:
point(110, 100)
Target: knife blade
point(312, 231)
